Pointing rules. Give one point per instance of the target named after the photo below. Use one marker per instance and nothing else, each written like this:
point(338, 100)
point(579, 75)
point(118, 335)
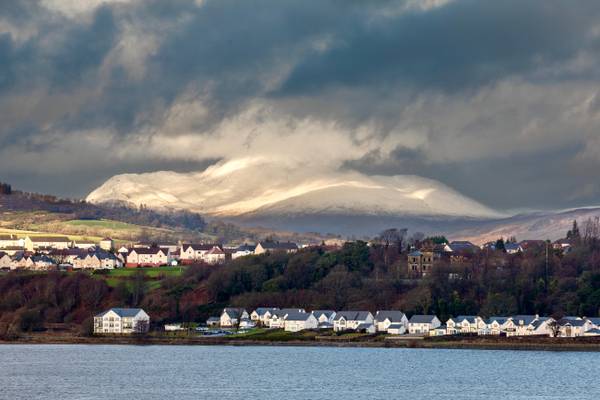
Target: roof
point(396, 326)
point(9, 237)
point(572, 322)
point(57, 239)
point(278, 245)
point(199, 246)
point(327, 313)
point(415, 253)
point(461, 245)
point(527, 319)
point(500, 320)
point(470, 318)
point(263, 310)
point(392, 315)
point(421, 319)
point(363, 325)
point(352, 315)
point(245, 247)
point(233, 312)
point(297, 316)
point(213, 319)
point(595, 321)
point(216, 250)
point(285, 311)
point(512, 246)
point(122, 312)
point(141, 250)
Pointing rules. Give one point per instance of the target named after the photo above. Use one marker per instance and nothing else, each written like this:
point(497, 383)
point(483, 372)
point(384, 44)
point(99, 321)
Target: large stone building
point(420, 262)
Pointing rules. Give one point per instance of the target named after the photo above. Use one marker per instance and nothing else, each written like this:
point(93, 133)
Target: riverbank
point(367, 341)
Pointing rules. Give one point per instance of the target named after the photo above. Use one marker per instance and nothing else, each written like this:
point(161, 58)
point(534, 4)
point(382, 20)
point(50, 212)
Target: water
point(220, 372)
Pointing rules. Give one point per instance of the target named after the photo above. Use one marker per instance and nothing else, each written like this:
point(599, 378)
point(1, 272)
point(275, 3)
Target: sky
point(497, 99)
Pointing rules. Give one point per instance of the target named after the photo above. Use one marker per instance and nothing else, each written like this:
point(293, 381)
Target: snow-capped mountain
point(253, 187)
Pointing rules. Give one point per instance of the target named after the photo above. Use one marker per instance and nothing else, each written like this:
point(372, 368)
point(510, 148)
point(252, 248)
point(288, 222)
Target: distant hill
point(27, 211)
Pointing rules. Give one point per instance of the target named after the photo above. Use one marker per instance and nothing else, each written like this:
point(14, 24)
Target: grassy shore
point(281, 338)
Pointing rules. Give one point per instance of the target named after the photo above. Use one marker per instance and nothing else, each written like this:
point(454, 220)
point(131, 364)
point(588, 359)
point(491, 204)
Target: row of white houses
point(77, 258)
point(397, 323)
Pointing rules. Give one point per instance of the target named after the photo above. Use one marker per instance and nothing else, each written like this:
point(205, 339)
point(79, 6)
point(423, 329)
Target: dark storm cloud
point(455, 47)
point(76, 88)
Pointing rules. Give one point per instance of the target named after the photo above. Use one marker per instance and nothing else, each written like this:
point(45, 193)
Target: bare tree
point(554, 327)
point(141, 326)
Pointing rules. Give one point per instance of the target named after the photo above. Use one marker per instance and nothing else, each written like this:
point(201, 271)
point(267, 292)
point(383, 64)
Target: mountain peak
point(258, 186)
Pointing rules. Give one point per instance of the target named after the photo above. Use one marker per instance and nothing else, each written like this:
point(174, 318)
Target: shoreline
point(584, 344)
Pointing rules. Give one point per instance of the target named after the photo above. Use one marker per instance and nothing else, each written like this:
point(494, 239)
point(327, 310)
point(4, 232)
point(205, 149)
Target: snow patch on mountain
point(260, 186)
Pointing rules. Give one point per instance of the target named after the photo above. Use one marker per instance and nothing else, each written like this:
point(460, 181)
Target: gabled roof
point(215, 250)
point(392, 315)
point(285, 311)
point(470, 318)
point(298, 316)
point(327, 313)
point(352, 315)
point(500, 320)
point(572, 322)
point(263, 310)
point(199, 246)
point(152, 250)
point(527, 319)
point(421, 319)
point(415, 253)
point(462, 245)
point(595, 321)
point(122, 312)
point(233, 312)
point(245, 247)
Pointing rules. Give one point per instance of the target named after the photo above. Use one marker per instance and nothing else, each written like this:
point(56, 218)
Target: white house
point(574, 326)
point(385, 318)
point(396, 329)
point(351, 320)
point(5, 260)
point(195, 252)
point(11, 241)
point(277, 320)
point(518, 325)
point(33, 243)
point(423, 324)
point(214, 256)
point(148, 257)
point(493, 326)
point(84, 244)
point(271, 247)
point(97, 260)
point(541, 327)
point(122, 321)
point(465, 324)
point(247, 323)
point(107, 244)
point(242, 251)
point(262, 315)
point(324, 316)
point(298, 321)
point(230, 317)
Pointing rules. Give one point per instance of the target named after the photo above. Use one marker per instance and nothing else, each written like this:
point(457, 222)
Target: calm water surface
point(198, 372)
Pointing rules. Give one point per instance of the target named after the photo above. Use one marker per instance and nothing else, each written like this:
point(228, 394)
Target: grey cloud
point(341, 62)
